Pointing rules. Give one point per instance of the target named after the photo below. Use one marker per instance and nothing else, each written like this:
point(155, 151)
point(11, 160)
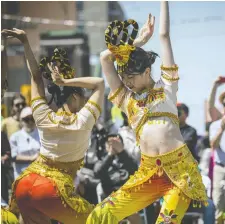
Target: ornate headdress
point(122, 50)
point(59, 57)
point(59, 94)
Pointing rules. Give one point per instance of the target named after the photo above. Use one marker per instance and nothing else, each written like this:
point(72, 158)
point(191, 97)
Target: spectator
point(188, 132)
point(25, 143)
point(217, 141)
point(208, 211)
point(97, 145)
point(85, 181)
point(5, 166)
point(129, 140)
point(115, 168)
point(12, 124)
point(205, 161)
point(213, 111)
point(203, 141)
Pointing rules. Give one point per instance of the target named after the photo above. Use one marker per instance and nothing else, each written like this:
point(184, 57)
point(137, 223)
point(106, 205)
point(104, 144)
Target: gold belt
point(178, 165)
point(65, 167)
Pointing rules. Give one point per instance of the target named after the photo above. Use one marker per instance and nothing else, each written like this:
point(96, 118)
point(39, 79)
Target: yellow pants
point(117, 207)
point(172, 176)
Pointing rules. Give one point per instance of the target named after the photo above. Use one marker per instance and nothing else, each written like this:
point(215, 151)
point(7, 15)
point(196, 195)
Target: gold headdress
point(122, 50)
point(59, 57)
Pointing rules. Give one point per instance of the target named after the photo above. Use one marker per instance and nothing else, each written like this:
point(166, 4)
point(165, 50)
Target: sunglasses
point(28, 119)
point(20, 104)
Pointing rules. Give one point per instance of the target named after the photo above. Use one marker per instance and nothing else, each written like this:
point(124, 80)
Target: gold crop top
point(157, 102)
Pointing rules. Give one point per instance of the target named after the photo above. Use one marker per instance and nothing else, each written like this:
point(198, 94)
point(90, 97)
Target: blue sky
point(198, 40)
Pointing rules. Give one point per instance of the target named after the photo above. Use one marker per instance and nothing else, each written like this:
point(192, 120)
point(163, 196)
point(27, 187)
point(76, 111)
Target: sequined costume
point(8, 217)
point(46, 188)
point(173, 175)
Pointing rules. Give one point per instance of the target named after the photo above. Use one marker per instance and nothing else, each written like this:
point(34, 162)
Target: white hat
point(27, 111)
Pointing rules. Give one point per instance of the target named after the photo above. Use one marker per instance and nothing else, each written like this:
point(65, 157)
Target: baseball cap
point(27, 111)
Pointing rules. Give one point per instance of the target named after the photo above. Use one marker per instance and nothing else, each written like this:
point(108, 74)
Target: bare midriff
point(160, 135)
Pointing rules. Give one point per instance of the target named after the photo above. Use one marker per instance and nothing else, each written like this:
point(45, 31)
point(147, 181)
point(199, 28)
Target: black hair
point(61, 94)
point(183, 107)
point(59, 55)
point(113, 135)
point(139, 60)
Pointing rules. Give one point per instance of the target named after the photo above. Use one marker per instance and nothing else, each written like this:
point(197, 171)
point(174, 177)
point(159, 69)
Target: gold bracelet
point(172, 68)
point(169, 78)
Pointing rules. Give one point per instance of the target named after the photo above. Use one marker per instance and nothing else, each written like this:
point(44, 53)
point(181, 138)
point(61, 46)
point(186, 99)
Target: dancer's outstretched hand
point(56, 76)
point(146, 31)
point(219, 81)
point(16, 33)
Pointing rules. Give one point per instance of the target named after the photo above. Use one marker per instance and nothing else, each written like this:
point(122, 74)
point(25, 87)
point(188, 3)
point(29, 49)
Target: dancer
point(45, 189)
point(167, 167)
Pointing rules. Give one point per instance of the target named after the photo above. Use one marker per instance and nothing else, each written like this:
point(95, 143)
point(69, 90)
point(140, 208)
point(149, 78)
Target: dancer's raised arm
point(108, 69)
point(164, 34)
point(37, 85)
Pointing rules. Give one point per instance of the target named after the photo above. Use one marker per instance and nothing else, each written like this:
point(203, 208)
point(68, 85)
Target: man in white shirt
point(25, 144)
point(217, 141)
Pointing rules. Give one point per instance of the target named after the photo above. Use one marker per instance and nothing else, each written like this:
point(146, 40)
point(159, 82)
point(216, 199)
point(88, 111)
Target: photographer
point(98, 137)
point(188, 132)
point(86, 182)
point(116, 166)
point(114, 169)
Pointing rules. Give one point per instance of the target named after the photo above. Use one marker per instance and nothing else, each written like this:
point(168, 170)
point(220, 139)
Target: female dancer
point(167, 167)
point(45, 189)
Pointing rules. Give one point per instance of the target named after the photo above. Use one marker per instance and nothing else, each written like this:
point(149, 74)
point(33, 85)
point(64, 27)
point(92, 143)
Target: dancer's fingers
point(153, 20)
point(149, 18)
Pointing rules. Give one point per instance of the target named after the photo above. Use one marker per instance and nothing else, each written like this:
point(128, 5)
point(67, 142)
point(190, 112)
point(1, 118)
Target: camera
point(99, 136)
